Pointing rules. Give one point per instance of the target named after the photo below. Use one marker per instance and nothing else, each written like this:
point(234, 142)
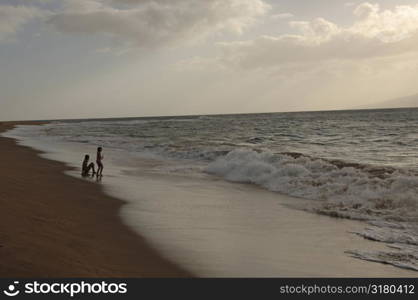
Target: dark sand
point(53, 225)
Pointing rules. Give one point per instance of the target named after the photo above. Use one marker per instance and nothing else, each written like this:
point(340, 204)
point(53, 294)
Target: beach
point(53, 225)
point(152, 216)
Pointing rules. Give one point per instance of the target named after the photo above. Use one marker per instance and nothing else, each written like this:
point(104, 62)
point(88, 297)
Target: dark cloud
point(159, 22)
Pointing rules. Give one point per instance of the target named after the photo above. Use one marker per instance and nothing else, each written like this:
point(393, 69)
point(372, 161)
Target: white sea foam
point(401, 255)
point(352, 192)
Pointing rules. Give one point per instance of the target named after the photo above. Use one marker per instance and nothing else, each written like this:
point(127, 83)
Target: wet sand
point(53, 225)
point(222, 229)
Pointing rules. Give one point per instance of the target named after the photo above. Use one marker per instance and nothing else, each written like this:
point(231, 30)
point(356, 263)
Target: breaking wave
point(348, 190)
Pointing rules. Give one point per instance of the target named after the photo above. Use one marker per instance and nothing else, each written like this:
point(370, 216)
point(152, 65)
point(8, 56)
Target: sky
point(127, 58)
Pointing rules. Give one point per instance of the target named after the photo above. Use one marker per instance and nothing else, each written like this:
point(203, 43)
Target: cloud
point(12, 18)
point(148, 23)
point(375, 33)
point(366, 9)
point(282, 16)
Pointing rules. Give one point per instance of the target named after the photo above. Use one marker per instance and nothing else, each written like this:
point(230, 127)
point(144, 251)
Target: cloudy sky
point(113, 58)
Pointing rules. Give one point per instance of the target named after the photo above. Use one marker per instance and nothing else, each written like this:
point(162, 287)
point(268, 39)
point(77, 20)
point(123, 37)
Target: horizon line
point(215, 114)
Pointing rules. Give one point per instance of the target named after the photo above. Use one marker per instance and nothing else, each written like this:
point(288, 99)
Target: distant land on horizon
point(403, 102)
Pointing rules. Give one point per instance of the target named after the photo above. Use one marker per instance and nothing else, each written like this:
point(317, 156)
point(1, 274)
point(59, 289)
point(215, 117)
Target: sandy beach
point(53, 225)
point(148, 218)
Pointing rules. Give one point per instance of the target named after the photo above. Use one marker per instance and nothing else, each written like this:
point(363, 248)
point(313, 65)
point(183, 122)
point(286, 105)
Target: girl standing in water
point(99, 159)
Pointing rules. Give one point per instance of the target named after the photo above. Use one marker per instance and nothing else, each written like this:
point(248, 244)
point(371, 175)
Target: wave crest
point(346, 189)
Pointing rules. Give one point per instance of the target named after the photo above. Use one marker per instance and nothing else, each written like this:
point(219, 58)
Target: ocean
point(358, 165)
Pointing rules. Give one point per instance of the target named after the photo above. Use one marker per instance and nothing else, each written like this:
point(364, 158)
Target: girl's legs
point(99, 168)
point(91, 166)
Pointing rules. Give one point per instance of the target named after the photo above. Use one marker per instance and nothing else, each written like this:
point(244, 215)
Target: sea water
point(358, 165)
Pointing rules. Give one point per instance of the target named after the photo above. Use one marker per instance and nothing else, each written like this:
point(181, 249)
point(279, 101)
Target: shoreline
point(242, 237)
point(53, 225)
